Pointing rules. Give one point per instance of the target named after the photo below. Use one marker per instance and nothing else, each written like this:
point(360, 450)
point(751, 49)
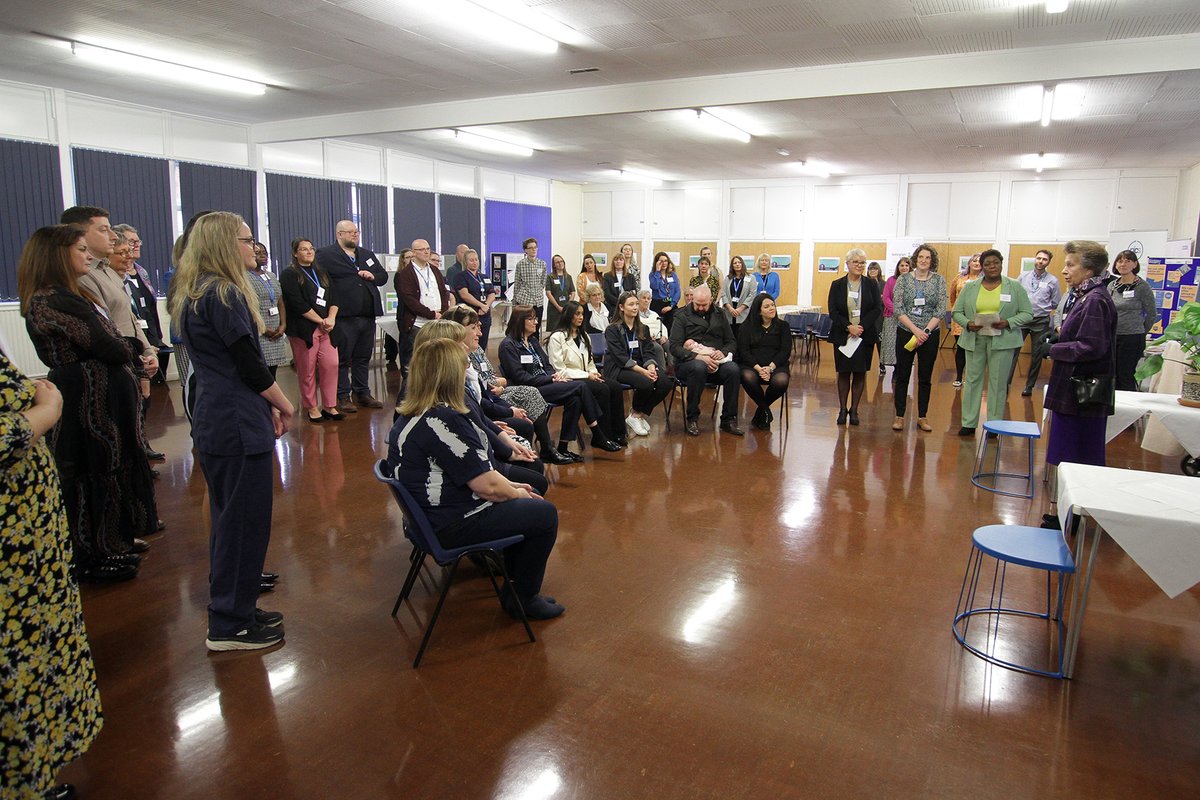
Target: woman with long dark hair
point(636, 360)
point(570, 351)
point(887, 356)
point(311, 318)
point(107, 486)
point(664, 288)
point(764, 353)
point(920, 305)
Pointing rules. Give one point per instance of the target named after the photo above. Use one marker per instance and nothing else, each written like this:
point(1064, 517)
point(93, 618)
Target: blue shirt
point(768, 284)
point(228, 418)
point(435, 456)
point(1044, 292)
point(665, 288)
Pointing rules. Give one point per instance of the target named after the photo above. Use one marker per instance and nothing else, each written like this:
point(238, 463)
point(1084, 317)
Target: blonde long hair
point(213, 255)
point(437, 374)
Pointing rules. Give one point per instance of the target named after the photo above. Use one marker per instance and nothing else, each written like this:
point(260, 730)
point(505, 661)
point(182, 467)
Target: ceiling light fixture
point(814, 168)
point(783, 151)
point(634, 176)
point(1040, 161)
point(492, 145)
point(724, 128)
point(1047, 106)
point(1056, 6)
point(540, 23)
point(1068, 100)
point(165, 70)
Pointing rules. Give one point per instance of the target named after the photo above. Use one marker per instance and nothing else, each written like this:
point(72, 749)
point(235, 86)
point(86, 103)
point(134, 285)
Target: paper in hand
point(851, 345)
point(985, 322)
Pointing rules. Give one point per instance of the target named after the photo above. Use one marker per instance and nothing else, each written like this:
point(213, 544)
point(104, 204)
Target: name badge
point(273, 312)
point(1005, 298)
point(853, 295)
point(143, 324)
point(670, 279)
point(321, 294)
point(526, 359)
point(918, 302)
point(633, 345)
point(370, 262)
point(320, 302)
point(854, 312)
point(1128, 294)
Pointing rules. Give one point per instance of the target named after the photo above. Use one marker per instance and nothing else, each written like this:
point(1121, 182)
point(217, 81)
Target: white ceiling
point(330, 61)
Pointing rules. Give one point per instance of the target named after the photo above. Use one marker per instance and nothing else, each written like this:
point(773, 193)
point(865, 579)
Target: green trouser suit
point(991, 353)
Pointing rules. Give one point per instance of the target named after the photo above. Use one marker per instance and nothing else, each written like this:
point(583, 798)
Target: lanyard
point(267, 281)
point(735, 287)
point(312, 276)
point(426, 279)
point(477, 283)
point(537, 360)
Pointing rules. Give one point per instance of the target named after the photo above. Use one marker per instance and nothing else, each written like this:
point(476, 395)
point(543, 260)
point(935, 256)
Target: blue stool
point(1038, 548)
point(1001, 428)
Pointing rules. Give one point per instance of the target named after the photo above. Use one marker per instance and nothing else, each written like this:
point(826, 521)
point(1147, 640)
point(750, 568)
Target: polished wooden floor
point(751, 618)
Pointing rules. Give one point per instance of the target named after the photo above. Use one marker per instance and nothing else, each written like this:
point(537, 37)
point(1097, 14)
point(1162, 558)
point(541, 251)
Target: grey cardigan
point(1137, 314)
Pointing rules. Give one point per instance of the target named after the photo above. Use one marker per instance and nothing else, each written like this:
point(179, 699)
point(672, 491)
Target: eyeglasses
point(246, 240)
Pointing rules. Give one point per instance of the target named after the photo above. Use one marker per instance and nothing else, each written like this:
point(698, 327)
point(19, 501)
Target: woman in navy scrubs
point(239, 411)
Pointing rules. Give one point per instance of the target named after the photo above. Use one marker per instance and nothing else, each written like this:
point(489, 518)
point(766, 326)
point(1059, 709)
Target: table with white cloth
point(1182, 422)
point(1153, 516)
point(387, 325)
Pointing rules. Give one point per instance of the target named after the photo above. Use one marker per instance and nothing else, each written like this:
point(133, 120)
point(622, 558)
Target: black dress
point(870, 311)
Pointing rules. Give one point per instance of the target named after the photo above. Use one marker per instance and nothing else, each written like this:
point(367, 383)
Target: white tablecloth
point(389, 325)
point(1154, 517)
point(1182, 422)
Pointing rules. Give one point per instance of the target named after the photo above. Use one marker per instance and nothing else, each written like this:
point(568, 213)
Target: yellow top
point(988, 301)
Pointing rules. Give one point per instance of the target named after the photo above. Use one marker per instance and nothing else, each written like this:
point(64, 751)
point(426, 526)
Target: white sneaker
point(957, 384)
point(643, 426)
point(631, 424)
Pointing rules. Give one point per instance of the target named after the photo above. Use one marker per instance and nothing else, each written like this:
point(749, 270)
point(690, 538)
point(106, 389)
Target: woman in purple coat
point(1084, 347)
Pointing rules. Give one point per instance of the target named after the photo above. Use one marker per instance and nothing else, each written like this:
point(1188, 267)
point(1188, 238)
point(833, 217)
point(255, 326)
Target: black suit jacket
point(870, 304)
point(356, 297)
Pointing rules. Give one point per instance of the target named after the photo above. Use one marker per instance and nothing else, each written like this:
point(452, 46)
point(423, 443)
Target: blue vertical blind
point(372, 216)
point(30, 197)
point(416, 217)
point(303, 208)
point(203, 187)
point(136, 190)
point(459, 222)
point(509, 224)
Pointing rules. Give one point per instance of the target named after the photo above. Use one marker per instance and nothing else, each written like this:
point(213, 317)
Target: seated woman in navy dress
point(445, 462)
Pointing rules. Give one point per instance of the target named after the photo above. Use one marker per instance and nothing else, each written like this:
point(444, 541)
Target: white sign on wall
point(1146, 244)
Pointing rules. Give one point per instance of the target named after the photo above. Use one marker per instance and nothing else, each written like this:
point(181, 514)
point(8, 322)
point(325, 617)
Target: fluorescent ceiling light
point(634, 176)
point(165, 70)
point(534, 20)
point(1056, 6)
point(712, 122)
point(492, 145)
point(1047, 106)
point(815, 168)
point(1040, 161)
point(1068, 100)
point(473, 19)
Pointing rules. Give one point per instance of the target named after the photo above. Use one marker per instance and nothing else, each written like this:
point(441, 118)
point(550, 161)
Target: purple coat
point(1085, 347)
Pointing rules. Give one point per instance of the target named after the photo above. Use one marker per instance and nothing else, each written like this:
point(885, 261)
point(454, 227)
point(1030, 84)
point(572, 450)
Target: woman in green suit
point(992, 345)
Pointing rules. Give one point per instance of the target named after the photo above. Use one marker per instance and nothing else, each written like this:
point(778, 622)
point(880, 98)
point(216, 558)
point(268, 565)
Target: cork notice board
point(789, 279)
point(876, 251)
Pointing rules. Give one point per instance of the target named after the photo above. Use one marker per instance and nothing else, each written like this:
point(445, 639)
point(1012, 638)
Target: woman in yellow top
point(956, 286)
point(993, 344)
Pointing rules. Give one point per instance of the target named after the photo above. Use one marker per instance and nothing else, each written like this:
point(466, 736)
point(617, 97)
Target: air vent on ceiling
point(968, 147)
point(582, 70)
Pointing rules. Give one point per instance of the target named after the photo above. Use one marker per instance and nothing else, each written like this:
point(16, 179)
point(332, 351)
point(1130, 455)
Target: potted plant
point(1185, 330)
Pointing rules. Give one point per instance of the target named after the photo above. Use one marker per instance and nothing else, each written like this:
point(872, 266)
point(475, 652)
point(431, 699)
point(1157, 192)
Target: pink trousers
point(313, 364)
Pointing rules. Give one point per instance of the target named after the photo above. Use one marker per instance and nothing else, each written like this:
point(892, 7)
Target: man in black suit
point(354, 272)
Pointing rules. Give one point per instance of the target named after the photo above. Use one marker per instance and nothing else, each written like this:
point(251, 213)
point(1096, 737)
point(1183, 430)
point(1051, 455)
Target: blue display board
point(1174, 283)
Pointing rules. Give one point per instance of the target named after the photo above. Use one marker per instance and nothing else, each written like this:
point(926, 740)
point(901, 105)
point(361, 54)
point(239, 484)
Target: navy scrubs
point(234, 437)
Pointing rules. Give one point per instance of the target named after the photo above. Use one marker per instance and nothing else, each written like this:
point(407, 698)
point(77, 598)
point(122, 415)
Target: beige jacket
point(104, 282)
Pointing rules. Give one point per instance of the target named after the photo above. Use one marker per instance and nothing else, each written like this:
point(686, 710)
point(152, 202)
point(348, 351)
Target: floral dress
point(49, 702)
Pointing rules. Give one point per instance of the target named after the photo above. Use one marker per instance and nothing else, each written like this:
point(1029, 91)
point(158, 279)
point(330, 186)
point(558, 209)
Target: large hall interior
point(754, 616)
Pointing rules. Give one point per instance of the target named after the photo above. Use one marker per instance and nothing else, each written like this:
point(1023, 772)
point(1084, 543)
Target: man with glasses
point(354, 272)
point(141, 291)
point(423, 297)
point(529, 280)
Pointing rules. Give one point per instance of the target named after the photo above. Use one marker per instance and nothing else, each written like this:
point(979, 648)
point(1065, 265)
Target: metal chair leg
point(436, 611)
point(417, 557)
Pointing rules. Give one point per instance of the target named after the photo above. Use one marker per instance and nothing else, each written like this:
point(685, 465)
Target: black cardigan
point(299, 297)
point(870, 306)
point(774, 345)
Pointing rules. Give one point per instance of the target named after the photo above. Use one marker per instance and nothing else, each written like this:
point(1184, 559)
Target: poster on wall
point(391, 301)
point(1145, 244)
point(1027, 264)
point(964, 264)
point(828, 264)
point(693, 261)
point(1174, 283)
point(674, 256)
point(601, 261)
point(901, 248)
point(781, 262)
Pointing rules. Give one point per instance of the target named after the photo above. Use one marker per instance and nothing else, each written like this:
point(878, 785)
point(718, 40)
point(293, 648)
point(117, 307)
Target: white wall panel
point(103, 125)
point(25, 112)
point(193, 139)
point(532, 190)
point(974, 206)
point(498, 185)
point(1084, 210)
point(454, 178)
point(701, 213)
point(410, 171)
point(667, 214)
point(854, 212)
point(747, 211)
point(1031, 216)
point(353, 162)
point(928, 210)
point(783, 214)
point(305, 158)
point(597, 215)
point(1144, 203)
point(566, 212)
point(628, 214)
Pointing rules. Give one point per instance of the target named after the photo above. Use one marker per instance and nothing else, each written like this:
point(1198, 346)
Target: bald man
point(702, 344)
point(354, 272)
point(458, 264)
point(423, 297)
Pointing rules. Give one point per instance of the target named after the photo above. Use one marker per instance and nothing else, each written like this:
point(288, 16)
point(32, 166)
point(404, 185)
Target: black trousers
point(694, 374)
point(646, 393)
point(534, 518)
point(569, 395)
point(531, 472)
point(391, 348)
point(665, 310)
point(1129, 352)
point(606, 395)
point(240, 492)
point(926, 358)
point(355, 346)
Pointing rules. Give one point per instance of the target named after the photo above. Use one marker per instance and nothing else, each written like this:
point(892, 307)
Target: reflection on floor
point(752, 618)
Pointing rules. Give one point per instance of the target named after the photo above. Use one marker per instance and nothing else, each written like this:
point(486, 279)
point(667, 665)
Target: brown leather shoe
point(367, 401)
point(346, 405)
point(898, 425)
point(923, 424)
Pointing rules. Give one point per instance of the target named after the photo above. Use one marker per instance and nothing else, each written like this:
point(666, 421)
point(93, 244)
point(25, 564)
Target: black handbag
point(1095, 391)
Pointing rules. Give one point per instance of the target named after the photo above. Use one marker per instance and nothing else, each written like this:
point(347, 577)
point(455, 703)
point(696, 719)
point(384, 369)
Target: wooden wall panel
point(789, 279)
point(876, 251)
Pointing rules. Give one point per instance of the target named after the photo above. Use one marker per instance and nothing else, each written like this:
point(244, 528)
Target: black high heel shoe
point(841, 420)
